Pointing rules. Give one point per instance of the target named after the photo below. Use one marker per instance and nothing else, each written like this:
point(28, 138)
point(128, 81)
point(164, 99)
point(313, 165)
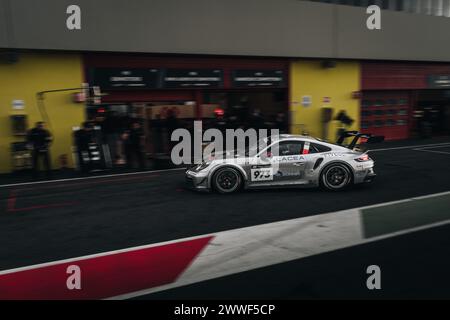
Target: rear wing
point(370, 139)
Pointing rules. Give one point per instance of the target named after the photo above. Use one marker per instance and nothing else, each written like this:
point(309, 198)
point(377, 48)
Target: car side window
point(318, 148)
point(290, 148)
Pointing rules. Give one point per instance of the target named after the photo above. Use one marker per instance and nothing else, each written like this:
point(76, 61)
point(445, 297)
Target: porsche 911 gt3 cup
point(299, 161)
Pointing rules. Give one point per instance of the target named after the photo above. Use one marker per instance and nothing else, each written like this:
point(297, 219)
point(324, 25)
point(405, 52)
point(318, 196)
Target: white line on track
point(444, 144)
point(426, 149)
point(432, 151)
point(88, 178)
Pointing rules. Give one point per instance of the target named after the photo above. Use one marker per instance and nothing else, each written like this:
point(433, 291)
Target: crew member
point(133, 145)
point(281, 123)
point(39, 140)
point(83, 138)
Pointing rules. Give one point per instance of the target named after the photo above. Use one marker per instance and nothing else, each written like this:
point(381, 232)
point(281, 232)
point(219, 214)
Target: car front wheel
point(227, 180)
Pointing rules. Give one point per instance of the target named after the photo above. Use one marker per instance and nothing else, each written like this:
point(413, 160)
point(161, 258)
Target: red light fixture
point(219, 112)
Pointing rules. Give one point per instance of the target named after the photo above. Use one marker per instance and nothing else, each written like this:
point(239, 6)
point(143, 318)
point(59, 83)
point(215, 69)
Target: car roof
point(287, 137)
point(296, 137)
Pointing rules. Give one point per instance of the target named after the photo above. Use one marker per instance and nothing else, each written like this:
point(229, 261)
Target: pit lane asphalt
point(75, 218)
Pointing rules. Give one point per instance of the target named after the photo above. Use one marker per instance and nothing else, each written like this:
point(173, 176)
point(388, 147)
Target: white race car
point(299, 161)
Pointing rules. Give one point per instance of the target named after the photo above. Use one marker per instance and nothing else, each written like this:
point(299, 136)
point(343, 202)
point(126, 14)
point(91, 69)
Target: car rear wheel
point(336, 176)
point(227, 180)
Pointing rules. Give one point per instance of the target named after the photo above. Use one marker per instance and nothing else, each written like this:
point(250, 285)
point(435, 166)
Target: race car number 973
point(262, 174)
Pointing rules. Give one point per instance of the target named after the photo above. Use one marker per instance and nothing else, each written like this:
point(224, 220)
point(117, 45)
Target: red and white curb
point(143, 270)
point(103, 275)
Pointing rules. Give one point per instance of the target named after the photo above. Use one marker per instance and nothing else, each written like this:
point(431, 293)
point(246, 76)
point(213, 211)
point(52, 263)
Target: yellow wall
point(309, 78)
point(36, 72)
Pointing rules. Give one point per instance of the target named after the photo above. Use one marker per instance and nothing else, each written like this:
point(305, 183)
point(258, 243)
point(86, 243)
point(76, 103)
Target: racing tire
point(227, 180)
point(336, 177)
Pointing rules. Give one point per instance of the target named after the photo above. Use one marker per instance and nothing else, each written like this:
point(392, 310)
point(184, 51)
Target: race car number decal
point(262, 174)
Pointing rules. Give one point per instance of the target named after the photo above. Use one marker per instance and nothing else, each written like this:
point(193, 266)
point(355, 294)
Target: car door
point(311, 153)
point(260, 168)
point(280, 163)
point(286, 162)
point(289, 163)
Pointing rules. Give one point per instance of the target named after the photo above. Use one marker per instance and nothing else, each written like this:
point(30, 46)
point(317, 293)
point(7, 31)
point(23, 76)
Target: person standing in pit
point(281, 123)
point(256, 120)
point(83, 138)
point(133, 145)
point(39, 140)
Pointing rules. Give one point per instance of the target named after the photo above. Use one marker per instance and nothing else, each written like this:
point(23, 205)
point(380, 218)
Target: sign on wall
point(161, 78)
point(116, 78)
point(259, 78)
point(326, 100)
point(193, 78)
point(306, 101)
point(18, 104)
point(439, 81)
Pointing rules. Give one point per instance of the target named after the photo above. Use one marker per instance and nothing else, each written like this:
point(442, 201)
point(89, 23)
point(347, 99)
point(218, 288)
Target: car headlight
point(202, 166)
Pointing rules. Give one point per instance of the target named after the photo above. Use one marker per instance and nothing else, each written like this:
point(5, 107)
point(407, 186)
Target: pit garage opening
point(432, 113)
point(163, 93)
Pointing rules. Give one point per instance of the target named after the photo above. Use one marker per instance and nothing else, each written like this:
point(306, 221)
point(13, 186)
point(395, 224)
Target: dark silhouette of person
point(83, 138)
point(39, 140)
point(158, 126)
point(111, 129)
point(220, 122)
point(133, 145)
point(345, 122)
point(281, 123)
point(256, 120)
point(447, 119)
point(172, 123)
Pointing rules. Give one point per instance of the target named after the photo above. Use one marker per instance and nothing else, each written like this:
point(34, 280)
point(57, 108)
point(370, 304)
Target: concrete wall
point(285, 28)
point(403, 36)
point(4, 25)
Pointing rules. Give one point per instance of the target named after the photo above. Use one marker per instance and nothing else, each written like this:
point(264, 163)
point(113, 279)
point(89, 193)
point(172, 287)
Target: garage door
point(386, 113)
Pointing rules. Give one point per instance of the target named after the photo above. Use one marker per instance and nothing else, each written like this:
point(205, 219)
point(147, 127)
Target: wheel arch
point(227, 165)
point(326, 164)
